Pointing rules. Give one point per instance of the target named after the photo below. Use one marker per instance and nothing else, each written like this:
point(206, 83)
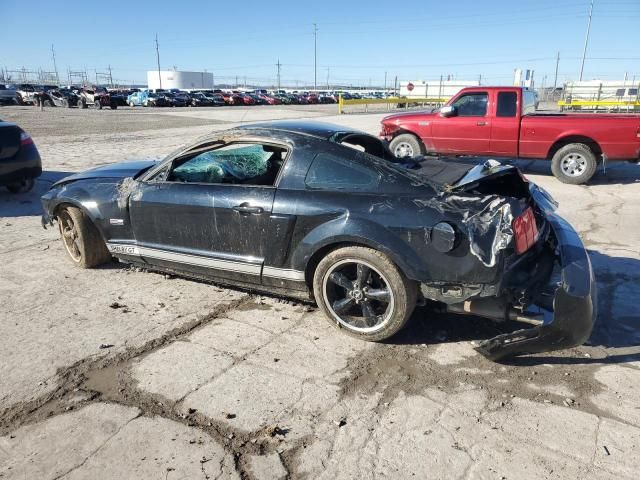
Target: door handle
point(247, 209)
point(481, 124)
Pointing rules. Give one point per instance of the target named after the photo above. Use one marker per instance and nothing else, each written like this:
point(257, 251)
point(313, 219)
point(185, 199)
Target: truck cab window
point(472, 105)
point(507, 104)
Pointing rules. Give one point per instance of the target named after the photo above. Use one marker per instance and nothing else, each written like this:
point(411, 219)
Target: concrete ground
point(119, 373)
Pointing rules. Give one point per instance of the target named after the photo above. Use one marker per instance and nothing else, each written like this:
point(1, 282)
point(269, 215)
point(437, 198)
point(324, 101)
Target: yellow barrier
point(600, 103)
point(389, 101)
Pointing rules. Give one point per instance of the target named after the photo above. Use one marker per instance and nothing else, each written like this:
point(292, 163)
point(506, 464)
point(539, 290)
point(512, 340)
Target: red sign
point(410, 86)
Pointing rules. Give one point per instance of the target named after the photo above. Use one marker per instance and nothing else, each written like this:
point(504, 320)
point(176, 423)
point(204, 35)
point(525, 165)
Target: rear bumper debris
point(573, 314)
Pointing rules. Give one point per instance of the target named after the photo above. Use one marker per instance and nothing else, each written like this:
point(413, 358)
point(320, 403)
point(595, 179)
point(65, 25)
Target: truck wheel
point(113, 106)
point(81, 239)
point(97, 104)
point(574, 164)
point(405, 145)
point(363, 292)
point(82, 104)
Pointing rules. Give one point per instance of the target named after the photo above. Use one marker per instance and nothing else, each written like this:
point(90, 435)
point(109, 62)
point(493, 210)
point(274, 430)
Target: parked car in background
point(242, 99)
point(181, 96)
point(62, 97)
point(216, 99)
point(96, 97)
point(173, 100)
point(25, 93)
point(300, 212)
point(7, 94)
point(20, 162)
point(502, 122)
point(269, 99)
point(199, 99)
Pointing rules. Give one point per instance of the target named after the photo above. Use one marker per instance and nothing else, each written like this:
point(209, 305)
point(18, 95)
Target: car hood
point(115, 171)
point(407, 116)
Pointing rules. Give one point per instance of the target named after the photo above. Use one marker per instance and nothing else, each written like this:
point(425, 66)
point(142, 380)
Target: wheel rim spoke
point(341, 306)
point(363, 273)
point(370, 317)
point(380, 294)
point(341, 280)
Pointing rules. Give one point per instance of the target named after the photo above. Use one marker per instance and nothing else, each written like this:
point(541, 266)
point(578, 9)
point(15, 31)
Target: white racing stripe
point(207, 262)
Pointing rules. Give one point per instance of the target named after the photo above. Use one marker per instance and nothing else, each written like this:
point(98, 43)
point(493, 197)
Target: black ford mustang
point(323, 211)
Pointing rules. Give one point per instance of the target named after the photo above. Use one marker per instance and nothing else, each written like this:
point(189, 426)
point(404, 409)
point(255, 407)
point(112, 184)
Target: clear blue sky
point(357, 41)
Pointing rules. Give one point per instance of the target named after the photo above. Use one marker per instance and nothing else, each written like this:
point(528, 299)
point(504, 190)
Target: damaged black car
point(324, 212)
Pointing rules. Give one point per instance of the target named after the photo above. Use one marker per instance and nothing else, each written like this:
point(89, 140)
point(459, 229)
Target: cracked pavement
point(121, 373)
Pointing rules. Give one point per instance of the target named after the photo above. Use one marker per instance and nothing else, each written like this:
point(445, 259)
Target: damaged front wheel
point(363, 292)
point(81, 238)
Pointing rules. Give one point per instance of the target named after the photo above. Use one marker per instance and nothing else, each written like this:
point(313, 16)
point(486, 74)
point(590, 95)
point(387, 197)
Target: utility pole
point(110, 77)
point(555, 77)
point(327, 78)
point(55, 67)
point(278, 65)
point(586, 40)
point(385, 82)
point(315, 57)
point(480, 79)
point(158, 57)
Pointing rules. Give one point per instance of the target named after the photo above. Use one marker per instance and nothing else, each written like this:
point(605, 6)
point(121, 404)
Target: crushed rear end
point(547, 280)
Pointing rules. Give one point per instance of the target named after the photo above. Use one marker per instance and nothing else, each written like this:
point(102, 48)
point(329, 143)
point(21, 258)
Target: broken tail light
point(25, 139)
point(525, 231)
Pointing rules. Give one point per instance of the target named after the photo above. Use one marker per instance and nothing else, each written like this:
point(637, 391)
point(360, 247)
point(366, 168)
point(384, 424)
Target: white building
point(175, 79)
point(434, 89)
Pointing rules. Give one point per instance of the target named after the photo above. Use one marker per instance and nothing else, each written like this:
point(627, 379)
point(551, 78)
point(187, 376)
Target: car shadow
point(616, 333)
point(28, 204)
point(615, 173)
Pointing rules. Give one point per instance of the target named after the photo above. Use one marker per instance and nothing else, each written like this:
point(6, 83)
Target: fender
point(346, 229)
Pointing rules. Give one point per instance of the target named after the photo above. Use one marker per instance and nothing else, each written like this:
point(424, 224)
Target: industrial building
point(176, 79)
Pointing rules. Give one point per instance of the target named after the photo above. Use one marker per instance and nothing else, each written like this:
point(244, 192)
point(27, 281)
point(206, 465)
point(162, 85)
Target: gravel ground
point(120, 373)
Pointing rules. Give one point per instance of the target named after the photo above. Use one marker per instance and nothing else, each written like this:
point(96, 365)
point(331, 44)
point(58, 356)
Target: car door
point(209, 212)
point(468, 130)
point(505, 127)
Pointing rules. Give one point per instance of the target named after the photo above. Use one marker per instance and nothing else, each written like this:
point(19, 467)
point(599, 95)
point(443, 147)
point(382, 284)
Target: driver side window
point(241, 163)
point(472, 105)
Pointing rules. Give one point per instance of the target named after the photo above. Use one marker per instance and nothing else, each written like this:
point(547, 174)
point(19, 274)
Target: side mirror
point(448, 111)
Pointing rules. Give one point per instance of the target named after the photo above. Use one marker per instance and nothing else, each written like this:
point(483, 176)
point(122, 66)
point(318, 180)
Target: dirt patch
point(563, 378)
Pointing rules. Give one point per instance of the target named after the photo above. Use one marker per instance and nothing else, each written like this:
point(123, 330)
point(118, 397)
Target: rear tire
point(363, 293)
point(405, 145)
point(81, 238)
point(574, 164)
point(97, 104)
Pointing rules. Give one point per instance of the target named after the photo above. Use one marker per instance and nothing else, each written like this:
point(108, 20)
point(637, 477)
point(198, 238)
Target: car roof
point(321, 130)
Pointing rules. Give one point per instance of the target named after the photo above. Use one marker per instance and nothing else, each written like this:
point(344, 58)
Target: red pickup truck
point(502, 122)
